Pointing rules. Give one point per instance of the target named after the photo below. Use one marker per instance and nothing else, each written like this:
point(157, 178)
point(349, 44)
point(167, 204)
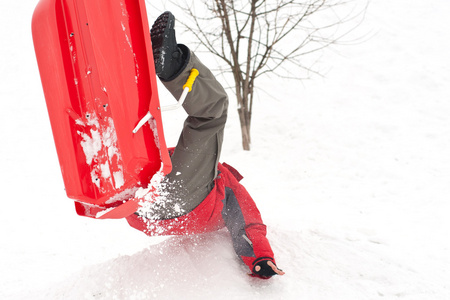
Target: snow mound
point(179, 267)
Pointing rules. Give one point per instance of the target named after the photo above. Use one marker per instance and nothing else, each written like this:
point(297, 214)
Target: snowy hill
point(351, 174)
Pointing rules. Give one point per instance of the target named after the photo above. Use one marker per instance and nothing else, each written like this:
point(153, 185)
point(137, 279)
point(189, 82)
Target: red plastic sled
point(96, 65)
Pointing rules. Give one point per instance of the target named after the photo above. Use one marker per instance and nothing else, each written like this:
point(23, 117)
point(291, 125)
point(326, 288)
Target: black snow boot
point(169, 57)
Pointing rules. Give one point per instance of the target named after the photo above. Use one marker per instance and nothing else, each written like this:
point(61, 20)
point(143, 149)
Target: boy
point(200, 194)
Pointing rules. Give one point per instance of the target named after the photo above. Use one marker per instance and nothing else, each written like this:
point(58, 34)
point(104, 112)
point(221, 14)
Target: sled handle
point(187, 87)
point(191, 79)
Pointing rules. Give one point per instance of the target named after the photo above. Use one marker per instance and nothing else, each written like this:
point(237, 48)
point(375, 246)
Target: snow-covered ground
point(351, 173)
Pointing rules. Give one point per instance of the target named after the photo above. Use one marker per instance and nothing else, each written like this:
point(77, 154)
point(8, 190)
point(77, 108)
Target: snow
point(351, 173)
point(91, 144)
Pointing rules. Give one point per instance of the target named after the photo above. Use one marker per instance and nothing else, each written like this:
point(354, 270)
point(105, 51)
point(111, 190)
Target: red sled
point(96, 65)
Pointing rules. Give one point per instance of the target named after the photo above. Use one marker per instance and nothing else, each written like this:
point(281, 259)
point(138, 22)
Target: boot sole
point(159, 33)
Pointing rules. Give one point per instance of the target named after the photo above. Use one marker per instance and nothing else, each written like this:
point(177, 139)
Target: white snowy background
point(351, 173)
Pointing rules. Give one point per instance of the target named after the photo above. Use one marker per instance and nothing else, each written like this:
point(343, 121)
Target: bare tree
point(258, 37)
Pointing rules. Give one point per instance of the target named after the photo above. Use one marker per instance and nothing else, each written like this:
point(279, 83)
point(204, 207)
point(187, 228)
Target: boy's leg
point(197, 153)
point(198, 150)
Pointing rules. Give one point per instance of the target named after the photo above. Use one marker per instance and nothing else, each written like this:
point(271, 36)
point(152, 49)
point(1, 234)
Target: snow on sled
point(96, 65)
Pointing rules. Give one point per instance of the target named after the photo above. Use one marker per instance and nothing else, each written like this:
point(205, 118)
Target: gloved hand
point(265, 268)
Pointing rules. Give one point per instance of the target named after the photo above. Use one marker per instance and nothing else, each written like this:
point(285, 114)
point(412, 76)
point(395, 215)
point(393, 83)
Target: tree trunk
point(244, 118)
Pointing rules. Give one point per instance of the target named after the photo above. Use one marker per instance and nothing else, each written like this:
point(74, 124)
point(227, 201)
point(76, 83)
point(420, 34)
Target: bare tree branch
point(257, 38)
